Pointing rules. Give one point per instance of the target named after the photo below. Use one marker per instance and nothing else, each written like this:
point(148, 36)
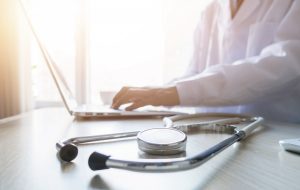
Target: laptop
point(70, 103)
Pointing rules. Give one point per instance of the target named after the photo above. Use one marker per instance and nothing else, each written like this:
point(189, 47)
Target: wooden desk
point(28, 157)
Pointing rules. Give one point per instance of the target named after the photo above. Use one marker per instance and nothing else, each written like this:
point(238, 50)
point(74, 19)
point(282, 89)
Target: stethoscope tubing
point(68, 149)
point(98, 161)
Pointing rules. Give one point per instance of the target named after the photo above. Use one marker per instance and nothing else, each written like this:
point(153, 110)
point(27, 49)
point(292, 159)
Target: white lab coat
point(250, 64)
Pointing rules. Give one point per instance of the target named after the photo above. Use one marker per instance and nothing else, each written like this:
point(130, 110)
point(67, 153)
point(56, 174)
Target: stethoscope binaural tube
point(98, 161)
point(67, 150)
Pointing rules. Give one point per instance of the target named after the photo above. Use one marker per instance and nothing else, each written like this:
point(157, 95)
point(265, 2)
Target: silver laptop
point(68, 99)
point(91, 110)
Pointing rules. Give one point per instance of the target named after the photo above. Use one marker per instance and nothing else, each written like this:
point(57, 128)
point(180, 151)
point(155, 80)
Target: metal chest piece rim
point(162, 141)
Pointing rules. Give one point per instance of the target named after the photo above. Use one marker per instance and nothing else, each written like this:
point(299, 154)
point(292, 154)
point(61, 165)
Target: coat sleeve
point(277, 68)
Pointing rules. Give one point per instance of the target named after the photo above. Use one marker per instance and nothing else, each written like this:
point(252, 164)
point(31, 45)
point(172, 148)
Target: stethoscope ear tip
point(68, 152)
point(97, 161)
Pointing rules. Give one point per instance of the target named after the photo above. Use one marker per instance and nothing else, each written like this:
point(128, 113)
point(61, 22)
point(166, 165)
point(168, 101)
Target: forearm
point(245, 81)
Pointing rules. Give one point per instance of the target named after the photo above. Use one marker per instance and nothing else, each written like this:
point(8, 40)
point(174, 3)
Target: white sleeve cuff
point(188, 94)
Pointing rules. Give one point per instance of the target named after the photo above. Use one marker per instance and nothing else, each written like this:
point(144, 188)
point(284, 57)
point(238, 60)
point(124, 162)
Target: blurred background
point(98, 45)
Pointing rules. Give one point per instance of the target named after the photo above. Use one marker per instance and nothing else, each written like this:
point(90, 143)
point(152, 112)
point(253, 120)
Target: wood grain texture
point(28, 157)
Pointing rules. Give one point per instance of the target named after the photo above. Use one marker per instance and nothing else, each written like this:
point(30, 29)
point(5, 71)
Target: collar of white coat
point(246, 9)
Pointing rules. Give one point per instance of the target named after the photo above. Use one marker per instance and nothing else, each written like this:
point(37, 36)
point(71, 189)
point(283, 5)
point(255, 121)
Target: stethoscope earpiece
point(67, 152)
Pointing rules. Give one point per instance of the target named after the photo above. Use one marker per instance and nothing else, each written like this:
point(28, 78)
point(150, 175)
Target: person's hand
point(139, 97)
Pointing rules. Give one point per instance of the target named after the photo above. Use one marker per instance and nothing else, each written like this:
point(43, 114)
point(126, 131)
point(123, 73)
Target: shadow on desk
point(98, 183)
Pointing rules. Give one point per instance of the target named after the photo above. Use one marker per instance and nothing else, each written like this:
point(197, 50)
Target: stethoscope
point(168, 140)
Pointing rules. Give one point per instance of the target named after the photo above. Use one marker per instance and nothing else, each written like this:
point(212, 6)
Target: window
point(127, 44)
point(56, 28)
point(131, 42)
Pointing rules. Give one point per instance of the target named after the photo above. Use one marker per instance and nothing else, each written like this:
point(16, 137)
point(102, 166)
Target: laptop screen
point(60, 82)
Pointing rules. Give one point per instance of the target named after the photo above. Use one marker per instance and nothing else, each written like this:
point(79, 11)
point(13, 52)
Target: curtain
point(13, 75)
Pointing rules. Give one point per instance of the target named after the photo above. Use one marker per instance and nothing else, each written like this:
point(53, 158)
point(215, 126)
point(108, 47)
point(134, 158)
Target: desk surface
point(28, 157)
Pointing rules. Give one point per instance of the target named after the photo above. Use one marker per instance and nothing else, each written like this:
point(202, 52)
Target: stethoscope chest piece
point(162, 141)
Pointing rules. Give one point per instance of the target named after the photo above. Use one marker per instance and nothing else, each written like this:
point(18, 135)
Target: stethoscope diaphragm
point(162, 141)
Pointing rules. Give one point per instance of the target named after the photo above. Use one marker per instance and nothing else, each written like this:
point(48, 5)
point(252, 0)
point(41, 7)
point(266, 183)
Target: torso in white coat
point(248, 64)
